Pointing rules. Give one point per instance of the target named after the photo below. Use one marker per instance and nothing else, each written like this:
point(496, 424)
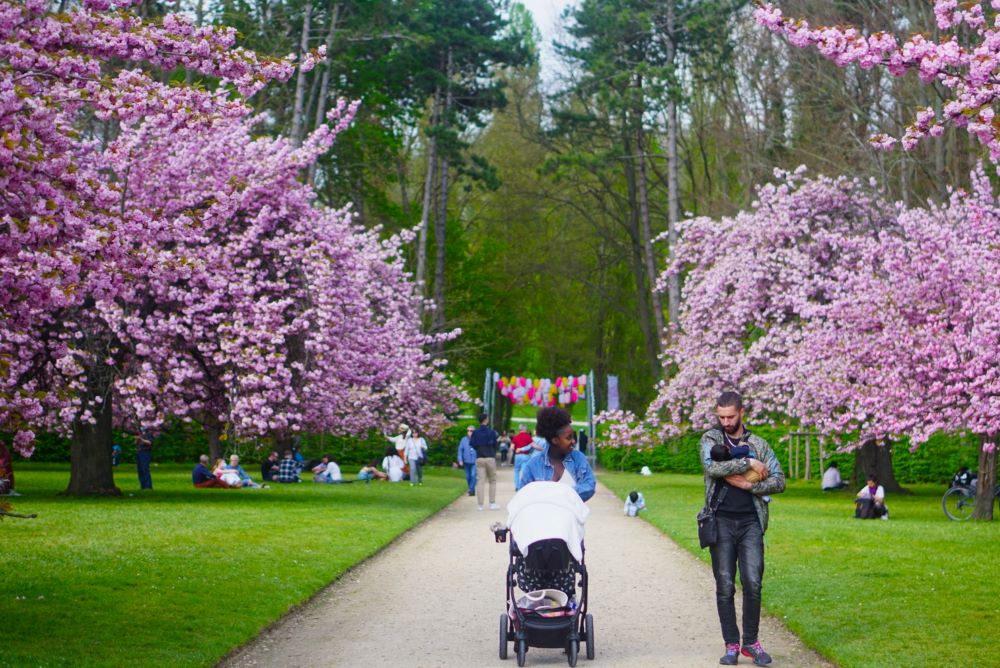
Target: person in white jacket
point(392, 464)
point(634, 502)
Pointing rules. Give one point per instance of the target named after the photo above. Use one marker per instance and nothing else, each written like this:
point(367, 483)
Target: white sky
point(546, 14)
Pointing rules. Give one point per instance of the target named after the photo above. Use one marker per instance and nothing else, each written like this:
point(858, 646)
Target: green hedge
point(935, 461)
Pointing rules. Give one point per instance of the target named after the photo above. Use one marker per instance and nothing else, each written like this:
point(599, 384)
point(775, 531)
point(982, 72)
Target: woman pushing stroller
point(546, 524)
point(559, 461)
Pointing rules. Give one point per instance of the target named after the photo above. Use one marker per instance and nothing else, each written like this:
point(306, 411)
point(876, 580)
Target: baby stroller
point(546, 562)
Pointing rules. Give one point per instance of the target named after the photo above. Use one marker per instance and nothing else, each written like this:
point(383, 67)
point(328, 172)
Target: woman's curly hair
point(550, 420)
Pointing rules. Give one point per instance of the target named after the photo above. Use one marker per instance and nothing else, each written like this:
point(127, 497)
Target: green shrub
point(935, 461)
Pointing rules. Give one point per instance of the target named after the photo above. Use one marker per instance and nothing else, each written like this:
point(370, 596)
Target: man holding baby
point(741, 471)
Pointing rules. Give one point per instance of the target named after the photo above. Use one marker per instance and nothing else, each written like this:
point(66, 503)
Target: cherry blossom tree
point(181, 269)
point(964, 60)
point(828, 305)
point(915, 335)
point(60, 208)
point(753, 284)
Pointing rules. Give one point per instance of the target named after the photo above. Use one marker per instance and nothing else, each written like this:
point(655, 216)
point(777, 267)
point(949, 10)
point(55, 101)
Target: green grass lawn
point(179, 576)
point(918, 590)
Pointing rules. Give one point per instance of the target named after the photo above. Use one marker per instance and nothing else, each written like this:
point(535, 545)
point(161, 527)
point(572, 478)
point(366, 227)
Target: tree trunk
point(404, 195)
point(90, 471)
point(324, 87)
point(875, 458)
point(638, 266)
point(425, 213)
point(213, 433)
point(987, 476)
point(298, 112)
point(440, 233)
point(647, 236)
point(673, 183)
point(441, 224)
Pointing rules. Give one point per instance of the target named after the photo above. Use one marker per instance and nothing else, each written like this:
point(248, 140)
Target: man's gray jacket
point(715, 471)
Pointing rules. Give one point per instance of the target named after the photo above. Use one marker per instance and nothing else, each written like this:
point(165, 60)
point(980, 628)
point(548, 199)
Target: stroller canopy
point(543, 510)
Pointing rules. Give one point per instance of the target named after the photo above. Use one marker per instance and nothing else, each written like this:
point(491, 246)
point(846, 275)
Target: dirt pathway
point(434, 598)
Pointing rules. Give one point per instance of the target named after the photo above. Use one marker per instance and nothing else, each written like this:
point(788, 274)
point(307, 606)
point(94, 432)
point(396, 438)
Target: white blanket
point(543, 510)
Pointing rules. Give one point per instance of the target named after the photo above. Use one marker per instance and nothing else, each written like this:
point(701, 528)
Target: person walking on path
point(466, 458)
point(559, 461)
point(523, 446)
point(742, 514)
point(484, 442)
point(143, 458)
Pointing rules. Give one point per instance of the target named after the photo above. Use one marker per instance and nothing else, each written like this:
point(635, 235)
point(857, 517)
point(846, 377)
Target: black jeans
point(741, 542)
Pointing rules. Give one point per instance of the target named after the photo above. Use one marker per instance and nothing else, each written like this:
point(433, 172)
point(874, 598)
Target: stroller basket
point(547, 631)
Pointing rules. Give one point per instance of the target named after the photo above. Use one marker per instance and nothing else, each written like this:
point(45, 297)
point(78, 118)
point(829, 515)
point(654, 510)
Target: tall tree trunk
point(425, 213)
point(638, 265)
point(324, 87)
point(647, 236)
point(440, 233)
point(987, 475)
point(90, 471)
point(673, 183)
point(213, 432)
point(404, 195)
point(876, 458)
point(441, 220)
point(298, 112)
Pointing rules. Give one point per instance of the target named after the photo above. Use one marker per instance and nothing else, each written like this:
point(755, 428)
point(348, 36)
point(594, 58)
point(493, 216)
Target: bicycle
point(959, 502)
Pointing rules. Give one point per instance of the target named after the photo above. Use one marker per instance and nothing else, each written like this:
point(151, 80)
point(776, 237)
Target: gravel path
point(434, 598)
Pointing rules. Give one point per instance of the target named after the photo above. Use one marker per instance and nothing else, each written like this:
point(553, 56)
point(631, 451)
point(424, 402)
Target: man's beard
point(735, 429)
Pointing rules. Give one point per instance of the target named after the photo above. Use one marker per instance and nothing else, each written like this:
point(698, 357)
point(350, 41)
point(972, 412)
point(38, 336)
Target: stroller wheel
point(504, 621)
point(589, 623)
point(572, 649)
point(522, 649)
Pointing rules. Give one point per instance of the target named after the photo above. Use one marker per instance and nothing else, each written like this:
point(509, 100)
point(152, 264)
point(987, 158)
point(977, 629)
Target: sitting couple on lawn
point(226, 476)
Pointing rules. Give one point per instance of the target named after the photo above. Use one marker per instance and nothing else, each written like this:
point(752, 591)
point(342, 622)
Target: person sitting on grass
point(370, 472)
point(393, 465)
point(244, 478)
point(203, 478)
point(870, 501)
point(831, 479)
point(288, 469)
point(223, 473)
point(269, 467)
point(327, 471)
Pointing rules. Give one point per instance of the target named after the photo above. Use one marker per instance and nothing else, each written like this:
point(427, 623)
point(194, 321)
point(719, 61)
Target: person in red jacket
point(524, 446)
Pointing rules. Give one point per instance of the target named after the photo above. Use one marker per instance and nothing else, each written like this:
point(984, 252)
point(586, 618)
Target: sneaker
point(886, 516)
point(757, 653)
point(471, 493)
point(479, 507)
point(732, 655)
point(494, 506)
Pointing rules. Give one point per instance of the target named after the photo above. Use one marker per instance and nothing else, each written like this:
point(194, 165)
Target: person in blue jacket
point(559, 458)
